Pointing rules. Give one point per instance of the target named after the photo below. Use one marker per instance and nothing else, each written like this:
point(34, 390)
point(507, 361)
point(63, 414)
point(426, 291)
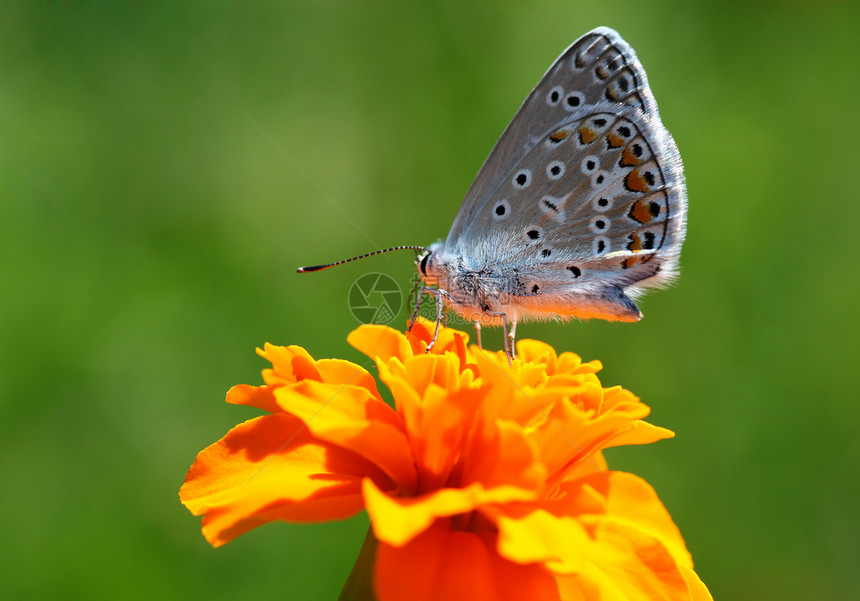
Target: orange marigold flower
point(486, 481)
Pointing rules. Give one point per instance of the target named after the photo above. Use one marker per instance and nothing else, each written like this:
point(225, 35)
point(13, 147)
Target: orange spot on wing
point(636, 182)
point(635, 243)
point(587, 135)
point(641, 212)
point(629, 262)
point(614, 140)
point(628, 159)
point(560, 135)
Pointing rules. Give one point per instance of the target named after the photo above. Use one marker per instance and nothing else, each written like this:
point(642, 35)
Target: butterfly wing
point(589, 203)
point(598, 67)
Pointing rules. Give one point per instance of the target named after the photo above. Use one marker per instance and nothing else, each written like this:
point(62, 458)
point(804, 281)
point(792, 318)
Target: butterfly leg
point(478, 334)
point(415, 288)
point(439, 294)
point(508, 339)
point(512, 335)
point(418, 306)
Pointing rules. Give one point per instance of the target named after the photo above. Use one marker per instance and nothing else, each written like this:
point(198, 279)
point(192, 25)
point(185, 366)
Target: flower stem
point(359, 584)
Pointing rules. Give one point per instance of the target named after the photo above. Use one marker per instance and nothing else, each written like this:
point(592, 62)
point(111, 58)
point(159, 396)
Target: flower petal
point(630, 550)
point(456, 566)
point(627, 565)
point(698, 590)
point(292, 364)
point(534, 535)
point(349, 416)
point(633, 502)
point(254, 396)
point(272, 468)
point(502, 455)
point(397, 520)
point(535, 351)
point(380, 342)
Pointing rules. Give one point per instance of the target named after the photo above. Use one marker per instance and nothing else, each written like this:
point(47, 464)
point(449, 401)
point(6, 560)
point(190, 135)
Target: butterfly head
point(427, 260)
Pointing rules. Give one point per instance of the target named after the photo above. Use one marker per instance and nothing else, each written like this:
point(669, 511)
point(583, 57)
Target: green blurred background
point(164, 170)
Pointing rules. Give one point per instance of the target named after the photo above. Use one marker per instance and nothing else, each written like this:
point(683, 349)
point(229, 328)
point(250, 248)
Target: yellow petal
point(380, 342)
point(633, 502)
point(397, 520)
point(533, 535)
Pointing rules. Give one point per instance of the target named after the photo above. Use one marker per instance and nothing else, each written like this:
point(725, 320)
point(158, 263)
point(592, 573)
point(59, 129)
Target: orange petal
point(397, 520)
point(633, 502)
point(513, 395)
point(272, 468)
point(443, 564)
point(535, 351)
point(254, 396)
point(292, 364)
point(578, 427)
point(504, 456)
point(283, 366)
point(562, 437)
point(441, 427)
point(380, 342)
point(448, 339)
point(639, 432)
point(349, 416)
point(407, 402)
point(338, 371)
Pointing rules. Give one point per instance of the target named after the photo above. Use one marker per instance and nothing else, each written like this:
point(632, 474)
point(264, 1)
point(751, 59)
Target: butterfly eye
point(423, 265)
point(554, 95)
point(555, 170)
point(522, 179)
point(573, 101)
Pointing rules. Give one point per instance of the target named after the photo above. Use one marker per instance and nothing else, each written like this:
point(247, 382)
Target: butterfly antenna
point(376, 252)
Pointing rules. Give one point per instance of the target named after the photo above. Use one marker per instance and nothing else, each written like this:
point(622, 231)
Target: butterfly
point(579, 208)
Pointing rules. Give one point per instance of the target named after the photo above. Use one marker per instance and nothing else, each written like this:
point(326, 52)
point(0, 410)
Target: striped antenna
point(376, 252)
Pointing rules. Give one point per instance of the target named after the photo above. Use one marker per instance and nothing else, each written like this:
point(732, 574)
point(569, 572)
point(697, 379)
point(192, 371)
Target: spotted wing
point(598, 67)
point(595, 207)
